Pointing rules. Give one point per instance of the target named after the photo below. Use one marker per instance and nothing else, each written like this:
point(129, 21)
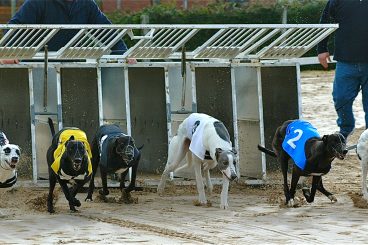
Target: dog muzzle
point(77, 164)
point(127, 154)
point(229, 173)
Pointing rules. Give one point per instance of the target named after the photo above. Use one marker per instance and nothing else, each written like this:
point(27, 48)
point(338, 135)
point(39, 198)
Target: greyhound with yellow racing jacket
point(69, 161)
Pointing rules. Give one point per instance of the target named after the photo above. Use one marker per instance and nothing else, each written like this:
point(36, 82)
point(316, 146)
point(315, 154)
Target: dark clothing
point(351, 38)
point(63, 12)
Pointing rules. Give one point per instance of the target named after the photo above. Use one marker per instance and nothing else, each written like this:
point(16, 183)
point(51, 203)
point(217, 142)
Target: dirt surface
point(256, 215)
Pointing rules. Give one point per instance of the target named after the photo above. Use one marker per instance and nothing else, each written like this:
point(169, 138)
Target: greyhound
point(312, 156)
point(198, 134)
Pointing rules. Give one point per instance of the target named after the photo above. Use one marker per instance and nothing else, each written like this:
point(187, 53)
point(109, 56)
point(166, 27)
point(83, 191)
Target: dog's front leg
point(74, 191)
point(315, 182)
point(328, 194)
point(364, 164)
point(224, 193)
point(294, 181)
point(199, 181)
point(125, 192)
point(68, 195)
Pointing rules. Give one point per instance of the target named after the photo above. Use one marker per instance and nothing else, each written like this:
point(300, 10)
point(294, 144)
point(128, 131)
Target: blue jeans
point(349, 79)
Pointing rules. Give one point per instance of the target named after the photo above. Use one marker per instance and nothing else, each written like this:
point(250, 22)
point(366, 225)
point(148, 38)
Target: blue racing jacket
point(297, 134)
point(63, 12)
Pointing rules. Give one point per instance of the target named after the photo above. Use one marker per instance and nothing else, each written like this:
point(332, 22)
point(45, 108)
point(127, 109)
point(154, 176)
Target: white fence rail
point(257, 41)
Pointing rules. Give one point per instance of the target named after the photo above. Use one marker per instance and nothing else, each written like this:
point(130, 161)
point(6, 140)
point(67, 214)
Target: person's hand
point(324, 58)
point(4, 62)
point(131, 61)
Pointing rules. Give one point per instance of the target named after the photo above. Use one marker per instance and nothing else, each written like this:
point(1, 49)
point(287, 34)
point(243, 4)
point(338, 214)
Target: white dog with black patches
point(197, 135)
point(9, 157)
point(362, 151)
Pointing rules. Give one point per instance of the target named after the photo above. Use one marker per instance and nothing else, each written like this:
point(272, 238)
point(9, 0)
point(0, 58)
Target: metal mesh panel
point(163, 41)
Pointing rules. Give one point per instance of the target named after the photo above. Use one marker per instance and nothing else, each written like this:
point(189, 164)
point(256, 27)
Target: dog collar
point(9, 182)
point(65, 176)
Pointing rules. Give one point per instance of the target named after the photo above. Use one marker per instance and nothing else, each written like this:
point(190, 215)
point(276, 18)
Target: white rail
point(254, 41)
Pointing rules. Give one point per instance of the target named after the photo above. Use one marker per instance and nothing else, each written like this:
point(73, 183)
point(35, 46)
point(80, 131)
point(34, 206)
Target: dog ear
point(324, 139)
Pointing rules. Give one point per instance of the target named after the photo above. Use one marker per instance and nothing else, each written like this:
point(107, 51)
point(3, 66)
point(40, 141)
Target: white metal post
point(33, 126)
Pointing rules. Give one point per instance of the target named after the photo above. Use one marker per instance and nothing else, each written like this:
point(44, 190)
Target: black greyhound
point(319, 154)
point(114, 152)
point(69, 161)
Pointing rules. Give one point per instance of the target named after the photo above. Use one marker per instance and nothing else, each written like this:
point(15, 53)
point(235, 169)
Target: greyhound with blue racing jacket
point(312, 156)
point(198, 136)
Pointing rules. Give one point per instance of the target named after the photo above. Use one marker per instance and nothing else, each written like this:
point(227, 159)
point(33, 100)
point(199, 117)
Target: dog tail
point(51, 125)
point(267, 151)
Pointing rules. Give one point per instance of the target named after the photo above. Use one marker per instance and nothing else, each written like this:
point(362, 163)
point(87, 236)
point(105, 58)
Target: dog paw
point(332, 198)
point(76, 202)
point(160, 190)
point(51, 210)
point(73, 209)
point(291, 203)
point(200, 202)
point(365, 196)
point(127, 198)
point(224, 206)
point(104, 193)
point(88, 199)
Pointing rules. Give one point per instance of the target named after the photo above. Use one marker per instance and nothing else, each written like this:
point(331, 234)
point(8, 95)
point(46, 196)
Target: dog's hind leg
point(104, 192)
point(199, 180)
point(50, 198)
point(178, 147)
point(328, 194)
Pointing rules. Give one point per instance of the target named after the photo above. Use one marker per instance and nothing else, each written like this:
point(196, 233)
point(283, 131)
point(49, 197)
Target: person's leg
point(345, 89)
point(364, 84)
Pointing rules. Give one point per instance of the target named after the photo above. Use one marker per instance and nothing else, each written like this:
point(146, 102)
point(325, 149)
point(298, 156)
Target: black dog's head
point(75, 153)
point(125, 148)
point(336, 145)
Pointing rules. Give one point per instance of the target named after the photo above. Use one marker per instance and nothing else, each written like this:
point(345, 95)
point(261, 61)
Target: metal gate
point(240, 75)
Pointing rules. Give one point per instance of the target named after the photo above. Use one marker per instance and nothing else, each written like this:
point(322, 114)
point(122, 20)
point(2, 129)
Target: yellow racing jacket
point(63, 138)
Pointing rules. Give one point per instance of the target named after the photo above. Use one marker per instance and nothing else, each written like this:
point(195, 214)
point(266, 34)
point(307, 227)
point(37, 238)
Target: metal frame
point(270, 45)
point(252, 41)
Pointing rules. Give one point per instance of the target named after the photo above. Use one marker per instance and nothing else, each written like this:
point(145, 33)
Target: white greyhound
point(198, 134)
point(362, 151)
